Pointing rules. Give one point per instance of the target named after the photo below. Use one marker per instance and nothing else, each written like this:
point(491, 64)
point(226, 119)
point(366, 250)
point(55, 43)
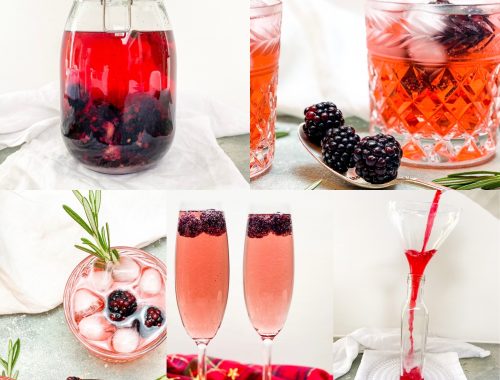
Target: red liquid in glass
point(418, 261)
point(118, 103)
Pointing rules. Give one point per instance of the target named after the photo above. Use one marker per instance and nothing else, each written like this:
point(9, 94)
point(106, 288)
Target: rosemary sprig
point(281, 134)
point(164, 377)
point(101, 247)
point(314, 185)
point(482, 179)
point(12, 355)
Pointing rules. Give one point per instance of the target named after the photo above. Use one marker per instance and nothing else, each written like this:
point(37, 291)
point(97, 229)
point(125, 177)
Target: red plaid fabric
point(183, 367)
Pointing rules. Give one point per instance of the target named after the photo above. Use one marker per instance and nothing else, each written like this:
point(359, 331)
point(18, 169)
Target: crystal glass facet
point(434, 76)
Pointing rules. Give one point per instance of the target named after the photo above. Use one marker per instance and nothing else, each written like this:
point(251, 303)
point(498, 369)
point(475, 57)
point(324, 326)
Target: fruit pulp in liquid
point(268, 281)
point(118, 98)
point(201, 281)
point(89, 305)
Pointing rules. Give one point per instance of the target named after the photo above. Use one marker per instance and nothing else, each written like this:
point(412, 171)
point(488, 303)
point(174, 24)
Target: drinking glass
point(265, 34)
point(268, 274)
point(434, 78)
point(202, 275)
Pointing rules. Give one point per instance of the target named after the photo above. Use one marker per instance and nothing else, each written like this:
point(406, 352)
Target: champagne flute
point(201, 275)
point(268, 276)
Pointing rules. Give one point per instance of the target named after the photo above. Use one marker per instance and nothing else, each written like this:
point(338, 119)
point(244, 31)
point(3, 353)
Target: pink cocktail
point(268, 275)
point(202, 276)
point(117, 310)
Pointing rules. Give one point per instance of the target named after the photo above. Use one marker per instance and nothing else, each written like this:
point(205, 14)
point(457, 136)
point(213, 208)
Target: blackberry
point(73, 378)
point(281, 224)
point(142, 112)
point(77, 97)
point(319, 118)
point(189, 225)
point(338, 146)
point(121, 305)
point(466, 32)
point(154, 317)
point(213, 222)
point(258, 226)
point(378, 158)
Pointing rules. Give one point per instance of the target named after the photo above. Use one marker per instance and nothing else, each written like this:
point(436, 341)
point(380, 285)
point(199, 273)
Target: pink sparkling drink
point(88, 305)
point(268, 271)
point(202, 272)
point(202, 276)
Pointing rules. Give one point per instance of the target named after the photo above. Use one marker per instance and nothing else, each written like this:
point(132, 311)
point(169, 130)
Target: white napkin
point(37, 239)
point(323, 57)
point(195, 160)
point(345, 350)
point(436, 366)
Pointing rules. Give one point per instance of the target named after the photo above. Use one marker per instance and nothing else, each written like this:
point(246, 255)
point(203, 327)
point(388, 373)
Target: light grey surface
point(295, 169)
point(475, 368)
point(50, 352)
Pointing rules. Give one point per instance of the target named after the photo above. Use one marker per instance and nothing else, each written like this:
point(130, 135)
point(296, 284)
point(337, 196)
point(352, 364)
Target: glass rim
point(424, 3)
point(264, 6)
point(423, 207)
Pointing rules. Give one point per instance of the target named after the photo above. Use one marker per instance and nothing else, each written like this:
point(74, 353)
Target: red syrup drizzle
point(418, 262)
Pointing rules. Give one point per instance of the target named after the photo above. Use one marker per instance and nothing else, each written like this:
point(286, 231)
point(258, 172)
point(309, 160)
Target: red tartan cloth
point(183, 367)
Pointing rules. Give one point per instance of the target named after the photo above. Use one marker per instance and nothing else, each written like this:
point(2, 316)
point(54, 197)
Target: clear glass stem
point(202, 361)
point(267, 367)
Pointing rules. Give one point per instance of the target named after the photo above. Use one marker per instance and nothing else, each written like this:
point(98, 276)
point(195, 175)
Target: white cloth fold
point(384, 365)
point(37, 239)
point(346, 349)
point(323, 57)
point(195, 160)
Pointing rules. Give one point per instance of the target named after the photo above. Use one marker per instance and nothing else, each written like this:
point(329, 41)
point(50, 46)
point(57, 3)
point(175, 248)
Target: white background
point(307, 336)
point(463, 279)
point(211, 36)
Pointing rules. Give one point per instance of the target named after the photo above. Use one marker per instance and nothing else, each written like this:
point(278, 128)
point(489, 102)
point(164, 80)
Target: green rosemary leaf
point(495, 181)
point(103, 239)
point(281, 134)
point(78, 196)
point(107, 235)
point(97, 202)
point(84, 249)
point(90, 216)
point(314, 185)
point(3, 363)
point(91, 200)
point(164, 377)
point(492, 186)
point(474, 173)
point(77, 219)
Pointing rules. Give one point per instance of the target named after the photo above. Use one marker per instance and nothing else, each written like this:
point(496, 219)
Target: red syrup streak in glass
point(418, 262)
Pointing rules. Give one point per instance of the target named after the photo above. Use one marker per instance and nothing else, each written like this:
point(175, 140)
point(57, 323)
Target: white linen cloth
point(346, 349)
point(323, 57)
point(445, 362)
point(37, 238)
point(195, 160)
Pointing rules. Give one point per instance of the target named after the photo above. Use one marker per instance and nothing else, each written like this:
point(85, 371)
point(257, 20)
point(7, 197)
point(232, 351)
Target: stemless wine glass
point(201, 275)
point(268, 275)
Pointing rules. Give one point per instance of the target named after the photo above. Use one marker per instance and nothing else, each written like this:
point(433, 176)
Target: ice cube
point(101, 280)
point(126, 340)
point(127, 270)
point(151, 283)
point(427, 50)
point(96, 327)
point(86, 303)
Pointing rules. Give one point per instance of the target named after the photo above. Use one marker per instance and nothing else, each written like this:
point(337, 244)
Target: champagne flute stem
point(267, 367)
point(202, 361)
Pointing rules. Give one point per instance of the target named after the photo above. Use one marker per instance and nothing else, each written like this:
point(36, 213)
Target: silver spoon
point(352, 178)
